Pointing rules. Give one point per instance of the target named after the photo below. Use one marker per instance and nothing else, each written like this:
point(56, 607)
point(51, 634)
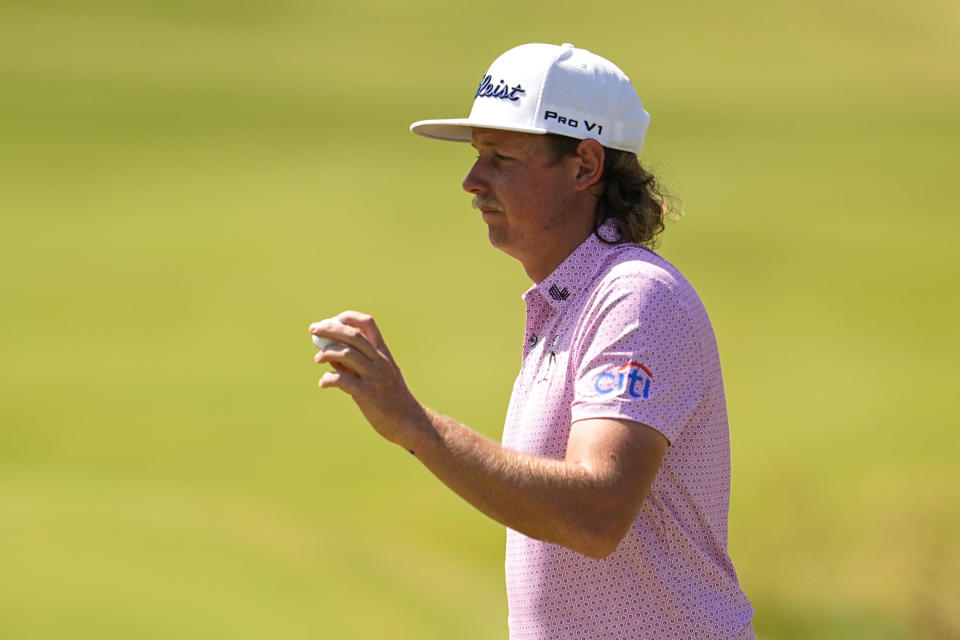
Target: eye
point(495, 157)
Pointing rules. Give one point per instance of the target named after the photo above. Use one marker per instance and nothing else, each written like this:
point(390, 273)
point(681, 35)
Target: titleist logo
point(501, 90)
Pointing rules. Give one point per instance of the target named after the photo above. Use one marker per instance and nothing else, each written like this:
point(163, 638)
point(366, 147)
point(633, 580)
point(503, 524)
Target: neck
point(543, 265)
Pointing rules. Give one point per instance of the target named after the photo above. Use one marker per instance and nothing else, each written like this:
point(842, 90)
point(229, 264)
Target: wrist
point(421, 432)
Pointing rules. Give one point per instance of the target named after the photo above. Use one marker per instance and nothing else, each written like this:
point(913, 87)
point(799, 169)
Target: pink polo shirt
point(617, 332)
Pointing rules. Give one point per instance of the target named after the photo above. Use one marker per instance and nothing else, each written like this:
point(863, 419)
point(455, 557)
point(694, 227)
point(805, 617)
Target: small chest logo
point(501, 90)
point(632, 378)
point(557, 293)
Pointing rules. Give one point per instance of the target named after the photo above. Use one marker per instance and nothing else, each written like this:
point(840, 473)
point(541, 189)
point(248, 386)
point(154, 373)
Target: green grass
point(185, 186)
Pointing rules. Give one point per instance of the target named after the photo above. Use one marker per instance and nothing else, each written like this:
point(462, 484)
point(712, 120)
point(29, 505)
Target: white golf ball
point(322, 343)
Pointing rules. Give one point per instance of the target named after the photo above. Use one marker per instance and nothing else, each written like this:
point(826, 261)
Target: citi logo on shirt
point(632, 378)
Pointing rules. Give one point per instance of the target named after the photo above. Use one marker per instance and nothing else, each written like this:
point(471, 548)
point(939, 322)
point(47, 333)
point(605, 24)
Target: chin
point(497, 237)
point(502, 243)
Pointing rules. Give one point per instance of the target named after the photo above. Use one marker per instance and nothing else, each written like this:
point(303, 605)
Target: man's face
point(523, 192)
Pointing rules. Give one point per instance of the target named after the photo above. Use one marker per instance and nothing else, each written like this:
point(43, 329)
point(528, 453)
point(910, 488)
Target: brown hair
point(631, 196)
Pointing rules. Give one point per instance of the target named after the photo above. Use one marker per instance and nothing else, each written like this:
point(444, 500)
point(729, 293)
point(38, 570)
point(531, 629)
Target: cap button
point(568, 45)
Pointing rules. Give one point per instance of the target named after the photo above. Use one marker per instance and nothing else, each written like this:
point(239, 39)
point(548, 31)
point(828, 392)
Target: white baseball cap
point(543, 88)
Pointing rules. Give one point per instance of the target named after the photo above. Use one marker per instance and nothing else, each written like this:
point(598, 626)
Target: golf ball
point(322, 343)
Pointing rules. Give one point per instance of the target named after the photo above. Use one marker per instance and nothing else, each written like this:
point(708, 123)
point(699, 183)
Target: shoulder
point(634, 272)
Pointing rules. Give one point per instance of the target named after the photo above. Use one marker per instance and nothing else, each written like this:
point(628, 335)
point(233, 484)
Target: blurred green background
point(184, 186)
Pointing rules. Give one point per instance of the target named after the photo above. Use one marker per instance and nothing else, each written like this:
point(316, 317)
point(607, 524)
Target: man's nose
point(474, 182)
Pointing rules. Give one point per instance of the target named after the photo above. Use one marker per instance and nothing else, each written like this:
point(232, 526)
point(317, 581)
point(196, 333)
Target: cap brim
point(461, 129)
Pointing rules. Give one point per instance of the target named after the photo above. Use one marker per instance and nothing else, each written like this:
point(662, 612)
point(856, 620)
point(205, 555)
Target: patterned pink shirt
point(617, 332)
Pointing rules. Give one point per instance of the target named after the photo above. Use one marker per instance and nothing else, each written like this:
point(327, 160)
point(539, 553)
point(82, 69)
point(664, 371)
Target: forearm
point(572, 504)
point(585, 502)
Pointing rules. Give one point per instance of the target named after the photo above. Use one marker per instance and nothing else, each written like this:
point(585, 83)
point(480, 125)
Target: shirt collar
point(569, 280)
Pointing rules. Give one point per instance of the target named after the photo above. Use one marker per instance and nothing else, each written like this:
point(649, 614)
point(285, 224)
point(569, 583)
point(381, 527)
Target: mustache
point(485, 202)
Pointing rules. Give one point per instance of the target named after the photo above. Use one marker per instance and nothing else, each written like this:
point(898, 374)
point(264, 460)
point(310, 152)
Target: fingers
point(334, 329)
point(358, 344)
point(344, 358)
point(366, 325)
point(343, 380)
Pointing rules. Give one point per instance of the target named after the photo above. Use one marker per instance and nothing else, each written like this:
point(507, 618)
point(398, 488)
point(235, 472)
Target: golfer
point(613, 476)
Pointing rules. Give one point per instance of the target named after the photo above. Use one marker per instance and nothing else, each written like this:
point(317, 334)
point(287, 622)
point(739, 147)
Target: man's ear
point(591, 155)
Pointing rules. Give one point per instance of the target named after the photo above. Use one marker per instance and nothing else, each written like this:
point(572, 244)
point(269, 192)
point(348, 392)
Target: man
point(613, 476)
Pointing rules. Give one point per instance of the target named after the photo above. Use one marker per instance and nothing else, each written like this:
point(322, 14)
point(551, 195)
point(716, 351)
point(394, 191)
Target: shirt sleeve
point(637, 355)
